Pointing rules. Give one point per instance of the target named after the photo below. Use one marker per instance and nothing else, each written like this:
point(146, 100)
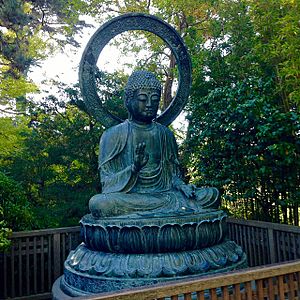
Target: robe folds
point(152, 191)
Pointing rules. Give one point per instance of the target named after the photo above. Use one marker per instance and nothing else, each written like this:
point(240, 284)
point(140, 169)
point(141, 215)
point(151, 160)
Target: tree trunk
point(167, 93)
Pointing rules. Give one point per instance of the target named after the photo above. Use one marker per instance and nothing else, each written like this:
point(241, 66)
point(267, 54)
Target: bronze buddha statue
point(138, 162)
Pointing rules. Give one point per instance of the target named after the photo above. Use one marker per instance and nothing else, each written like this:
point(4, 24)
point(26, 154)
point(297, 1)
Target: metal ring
point(126, 22)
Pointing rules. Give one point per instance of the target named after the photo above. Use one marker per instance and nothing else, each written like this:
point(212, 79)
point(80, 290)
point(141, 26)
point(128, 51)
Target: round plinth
point(155, 234)
point(96, 272)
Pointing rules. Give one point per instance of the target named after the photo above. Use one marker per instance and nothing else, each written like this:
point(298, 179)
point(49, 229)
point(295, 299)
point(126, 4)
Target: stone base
point(57, 293)
point(163, 234)
point(92, 272)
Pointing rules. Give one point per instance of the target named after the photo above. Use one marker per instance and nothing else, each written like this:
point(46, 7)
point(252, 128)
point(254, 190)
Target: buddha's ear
point(127, 97)
point(125, 100)
point(127, 105)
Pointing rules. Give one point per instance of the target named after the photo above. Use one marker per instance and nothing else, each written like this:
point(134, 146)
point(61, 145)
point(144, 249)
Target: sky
point(64, 65)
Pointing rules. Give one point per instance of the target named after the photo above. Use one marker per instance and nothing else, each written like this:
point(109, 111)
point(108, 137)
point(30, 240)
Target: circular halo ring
point(126, 22)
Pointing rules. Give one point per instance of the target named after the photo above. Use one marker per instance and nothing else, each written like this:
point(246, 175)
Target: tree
point(29, 32)
point(54, 153)
point(4, 233)
point(243, 112)
point(14, 205)
point(243, 133)
point(277, 28)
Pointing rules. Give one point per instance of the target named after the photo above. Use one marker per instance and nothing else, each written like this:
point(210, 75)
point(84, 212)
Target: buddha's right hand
point(141, 157)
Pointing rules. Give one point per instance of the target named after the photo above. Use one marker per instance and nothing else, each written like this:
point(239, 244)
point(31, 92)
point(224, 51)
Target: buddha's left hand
point(188, 190)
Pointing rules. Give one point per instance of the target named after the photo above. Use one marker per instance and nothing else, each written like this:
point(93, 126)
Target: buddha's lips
point(149, 111)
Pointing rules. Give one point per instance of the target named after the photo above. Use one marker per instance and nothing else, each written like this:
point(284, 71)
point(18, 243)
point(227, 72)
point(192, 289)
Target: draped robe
point(153, 190)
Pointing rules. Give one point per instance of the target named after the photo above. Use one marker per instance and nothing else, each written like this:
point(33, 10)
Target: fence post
point(56, 255)
point(271, 245)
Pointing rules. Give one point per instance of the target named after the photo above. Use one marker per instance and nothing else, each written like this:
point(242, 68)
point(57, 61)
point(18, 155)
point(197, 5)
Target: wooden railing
point(265, 243)
point(35, 260)
point(281, 281)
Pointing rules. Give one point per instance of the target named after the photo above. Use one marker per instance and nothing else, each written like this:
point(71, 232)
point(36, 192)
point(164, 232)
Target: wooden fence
point(34, 261)
point(36, 258)
point(272, 282)
point(265, 243)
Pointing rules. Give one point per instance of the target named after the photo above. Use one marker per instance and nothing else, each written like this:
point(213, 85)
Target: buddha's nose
point(148, 102)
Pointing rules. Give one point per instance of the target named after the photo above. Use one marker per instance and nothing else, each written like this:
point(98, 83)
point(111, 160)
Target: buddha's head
point(142, 96)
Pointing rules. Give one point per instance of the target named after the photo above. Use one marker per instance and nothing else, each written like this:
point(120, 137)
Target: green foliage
point(53, 152)
point(14, 205)
point(4, 233)
point(277, 28)
point(244, 129)
point(110, 91)
point(248, 150)
point(58, 167)
point(12, 136)
point(243, 115)
point(29, 32)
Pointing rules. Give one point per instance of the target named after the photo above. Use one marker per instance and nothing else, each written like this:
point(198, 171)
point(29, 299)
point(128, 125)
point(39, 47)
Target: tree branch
point(12, 112)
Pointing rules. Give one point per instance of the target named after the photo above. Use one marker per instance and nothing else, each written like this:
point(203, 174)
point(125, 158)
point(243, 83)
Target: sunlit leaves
point(244, 123)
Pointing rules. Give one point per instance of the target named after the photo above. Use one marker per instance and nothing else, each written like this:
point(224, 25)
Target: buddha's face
point(144, 105)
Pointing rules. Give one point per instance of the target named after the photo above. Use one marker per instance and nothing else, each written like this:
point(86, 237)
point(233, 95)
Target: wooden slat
point(35, 271)
point(297, 285)
point(281, 287)
point(200, 295)
point(187, 296)
point(282, 246)
point(12, 269)
point(213, 294)
point(288, 246)
point(70, 242)
point(5, 274)
point(253, 250)
point(260, 289)
point(27, 267)
point(294, 247)
point(291, 286)
point(20, 267)
point(244, 245)
point(271, 288)
point(249, 248)
point(255, 245)
point(50, 280)
point(248, 290)
point(264, 247)
point(237, 292)
point(225, 293)
point(45, 232)
point(278, 258)
point(56, 256)
point(259, 252)
point(42, 266)
point(240, 236)
point(271, 245)
point(63, 247)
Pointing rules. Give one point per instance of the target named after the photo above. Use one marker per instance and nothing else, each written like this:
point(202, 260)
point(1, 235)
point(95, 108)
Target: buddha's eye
point(155, 98)
point(142, 97)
